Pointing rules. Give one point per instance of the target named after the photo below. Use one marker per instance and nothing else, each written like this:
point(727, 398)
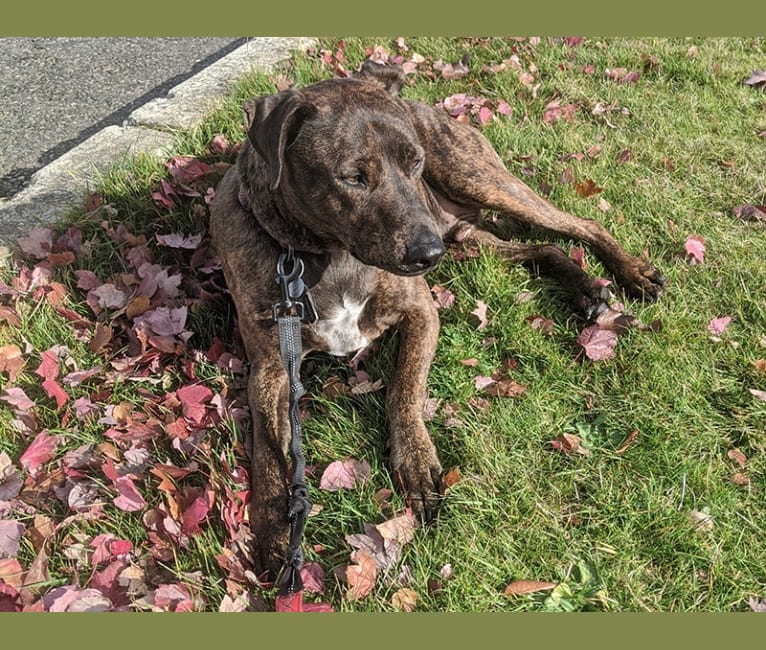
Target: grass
point(612, 528)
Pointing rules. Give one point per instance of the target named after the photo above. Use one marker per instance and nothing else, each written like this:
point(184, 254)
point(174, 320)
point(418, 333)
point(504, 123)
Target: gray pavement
point(69, 107)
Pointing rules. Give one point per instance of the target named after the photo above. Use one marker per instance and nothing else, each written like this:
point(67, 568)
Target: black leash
point(295, 307)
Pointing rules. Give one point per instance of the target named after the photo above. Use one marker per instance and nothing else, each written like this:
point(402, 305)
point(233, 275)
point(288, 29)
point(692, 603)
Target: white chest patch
point(339, 329)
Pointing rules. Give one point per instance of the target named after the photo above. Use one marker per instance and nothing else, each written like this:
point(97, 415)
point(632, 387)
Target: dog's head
point(343, 160)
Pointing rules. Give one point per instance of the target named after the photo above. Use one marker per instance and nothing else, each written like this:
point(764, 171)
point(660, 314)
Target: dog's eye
point(416, 166)
point(355, 180)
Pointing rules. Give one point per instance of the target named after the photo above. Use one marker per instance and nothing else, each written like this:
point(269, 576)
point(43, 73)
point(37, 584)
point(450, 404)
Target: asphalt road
point(57, 92)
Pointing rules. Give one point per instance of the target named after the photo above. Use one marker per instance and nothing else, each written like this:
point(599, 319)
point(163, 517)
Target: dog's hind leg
point(462, 165)
point(586, 295)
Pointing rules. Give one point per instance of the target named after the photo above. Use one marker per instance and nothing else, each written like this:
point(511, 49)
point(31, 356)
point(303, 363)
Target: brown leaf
point(506, 388)
point(42, 529)
point(738, 457)
point(137, 306)
point(522, 587)
point(38, 573)
point(11, 361)
point(404, 599)
point(360, 576)
point(587, 188)
point(629, 440)
point(740, 478)
point(760, 366)
point(450, 478)
point(102, 336)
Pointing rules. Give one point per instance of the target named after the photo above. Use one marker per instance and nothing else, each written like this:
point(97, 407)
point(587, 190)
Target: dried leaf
point(11, 361)
point(598, 343)
point(588, 188)
point(360, 576)
point(522, 587)
point(738, 457)
point(450, 478)
point(481, 313)
point(345, 474)
point(404, 599)
point(757, 79)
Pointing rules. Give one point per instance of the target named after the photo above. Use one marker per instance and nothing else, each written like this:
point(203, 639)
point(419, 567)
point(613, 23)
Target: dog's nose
point(425, 251)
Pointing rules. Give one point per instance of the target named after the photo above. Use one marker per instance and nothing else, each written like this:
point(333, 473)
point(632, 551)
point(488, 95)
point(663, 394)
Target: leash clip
point(296, 299)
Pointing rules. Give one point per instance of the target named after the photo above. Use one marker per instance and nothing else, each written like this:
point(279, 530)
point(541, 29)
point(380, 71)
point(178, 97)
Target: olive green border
point(363, 631)
point(391, 17)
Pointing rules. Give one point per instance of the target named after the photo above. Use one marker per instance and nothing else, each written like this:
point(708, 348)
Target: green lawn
point(661, 509)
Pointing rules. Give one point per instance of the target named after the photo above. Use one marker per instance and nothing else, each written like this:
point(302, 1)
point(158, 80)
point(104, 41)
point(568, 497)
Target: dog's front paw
point(641, 279)
point(419, 473)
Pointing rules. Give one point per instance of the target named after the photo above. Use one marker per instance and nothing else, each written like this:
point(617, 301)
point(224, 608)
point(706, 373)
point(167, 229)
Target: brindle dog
point(367, 187)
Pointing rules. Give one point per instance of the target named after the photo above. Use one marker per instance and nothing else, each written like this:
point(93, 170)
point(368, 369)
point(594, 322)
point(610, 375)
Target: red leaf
point(444, 298)
point(193, 399)
point(194, 515)
point(695, 249)
point(16, 396)
point(39, 452)
point(48, 368)
point(312, 575)
point(598, 343)
point(38, 243)
point(130, 500)
point(577, 253)
point(344, 474)
point(718, 325)
point(53, 389)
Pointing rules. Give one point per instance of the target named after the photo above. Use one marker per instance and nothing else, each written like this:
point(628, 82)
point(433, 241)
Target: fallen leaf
point(481, 313)
point(718, 326)
point(10, 478)
point(629, 440)
point(39, 452)
point(757, 605)
point(11, 361)
point(588, 188)
point(404, 599)
point(760, 394)
point(598, 343)
point(450, 478)
point(506, 388)
point(757, 79)
point(701, 520)
point(399, 529)
point(17, 398)
point(738, 457)
point(695, 249)
point(344, 474)
point(522, 587)
point(361, 575)
point(541, 324)
point(10, 534)
point(129, 499)
point(749, 212)
point(312, 575)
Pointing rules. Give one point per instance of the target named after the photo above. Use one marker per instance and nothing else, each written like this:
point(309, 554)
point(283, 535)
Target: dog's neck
point(315, 259)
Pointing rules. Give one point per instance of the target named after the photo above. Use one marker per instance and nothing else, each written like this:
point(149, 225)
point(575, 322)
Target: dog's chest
point(337, 331)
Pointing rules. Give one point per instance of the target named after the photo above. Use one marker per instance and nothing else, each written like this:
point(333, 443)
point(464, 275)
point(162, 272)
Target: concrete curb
point(149, 129)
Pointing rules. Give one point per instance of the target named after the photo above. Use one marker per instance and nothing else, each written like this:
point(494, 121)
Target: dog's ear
point(391, 76)
point(272, 123)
